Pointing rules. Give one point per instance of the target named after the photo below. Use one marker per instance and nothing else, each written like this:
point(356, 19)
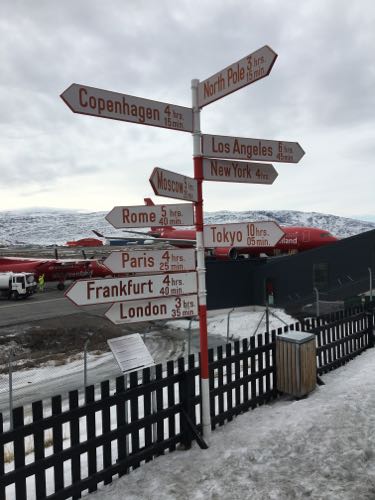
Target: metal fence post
point(11, 353)
point(230, 312)
point(317, 301)
point(370, 273)
point(85, 364)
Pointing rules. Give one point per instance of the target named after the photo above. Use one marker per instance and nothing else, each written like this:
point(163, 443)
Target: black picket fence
point(64, 449)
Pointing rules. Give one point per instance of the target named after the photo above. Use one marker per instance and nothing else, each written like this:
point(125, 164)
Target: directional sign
point(172, 185)
point(130, 352)
point(106, 104)
point(237, 171)
point(103, 291)
point(156, 215)
point(152, 309)
point(141, 261)
point(240, 148)
point(245, 71)
point(243, 234)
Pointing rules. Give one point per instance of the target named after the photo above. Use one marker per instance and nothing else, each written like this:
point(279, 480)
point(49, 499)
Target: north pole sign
point(243, 234)
point(239, 148)
point(107, 290)
point(155, 215)
point(106, 104)
point(146, 261)
point(173, 185)
point(153, 309)
point(243, 72)
point(238, 171)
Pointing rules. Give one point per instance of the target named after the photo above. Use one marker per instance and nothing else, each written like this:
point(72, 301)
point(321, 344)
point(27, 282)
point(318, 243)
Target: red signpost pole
point(201, 269)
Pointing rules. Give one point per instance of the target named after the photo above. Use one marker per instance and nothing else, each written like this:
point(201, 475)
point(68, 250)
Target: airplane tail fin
point(156, 230)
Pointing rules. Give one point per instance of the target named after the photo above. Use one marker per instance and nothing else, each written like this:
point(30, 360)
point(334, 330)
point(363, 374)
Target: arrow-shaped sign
point(106, 104)
point(148, 261)
point(172, 185)
point(238, 171)
point(153, 309)
point(240, 148)
point(243, 234)
point(107, 290)
point(155, 215)
point(243, 72)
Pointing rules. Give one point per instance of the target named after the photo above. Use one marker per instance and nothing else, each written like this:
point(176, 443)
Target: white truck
point(17, 285)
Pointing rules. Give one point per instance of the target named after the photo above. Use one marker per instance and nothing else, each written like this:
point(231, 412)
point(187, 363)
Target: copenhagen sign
point(243, 72)
point(107, 290)
point(234, 171)
point(141, 261)
point(173, 185)
point(240, 148)
point(152, 309)
point(155, 215)
point(107, 104)
point(244, 234)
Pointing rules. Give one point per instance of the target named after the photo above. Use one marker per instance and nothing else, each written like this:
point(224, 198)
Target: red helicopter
point(295, 239)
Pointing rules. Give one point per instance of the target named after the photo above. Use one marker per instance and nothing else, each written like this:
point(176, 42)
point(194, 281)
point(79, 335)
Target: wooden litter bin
point(296, 363)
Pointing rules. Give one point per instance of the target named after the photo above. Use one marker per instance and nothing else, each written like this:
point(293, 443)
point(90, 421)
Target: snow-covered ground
point(321, 447)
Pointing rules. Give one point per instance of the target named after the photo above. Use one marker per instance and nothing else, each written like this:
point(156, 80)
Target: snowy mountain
point(57, 226)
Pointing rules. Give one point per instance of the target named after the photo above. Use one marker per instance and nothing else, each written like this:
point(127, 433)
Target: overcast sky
point(320, 93)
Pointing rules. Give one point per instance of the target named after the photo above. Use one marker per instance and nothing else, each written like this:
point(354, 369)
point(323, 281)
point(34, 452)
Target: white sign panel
point(130, 352)
point(172, 185)
point(240, 148)
point(107, 290)
point(245, 71)
point(106, 104)
point(153, 309)
point(237, 171)
point(141, 261)
point(243, 234)
point(155, 215)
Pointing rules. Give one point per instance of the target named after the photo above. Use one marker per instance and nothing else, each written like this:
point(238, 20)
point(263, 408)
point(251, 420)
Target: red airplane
point(296, 239)
point(55, 269)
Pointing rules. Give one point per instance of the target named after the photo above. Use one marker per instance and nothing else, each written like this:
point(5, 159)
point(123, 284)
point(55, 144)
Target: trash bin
point(296, 363)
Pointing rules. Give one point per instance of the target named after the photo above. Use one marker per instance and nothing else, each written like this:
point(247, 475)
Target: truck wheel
point(61, 286)
point(15, 295)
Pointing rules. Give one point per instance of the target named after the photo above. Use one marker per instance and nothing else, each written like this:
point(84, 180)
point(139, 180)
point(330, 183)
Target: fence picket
point(74, 440)
point(19, 452)
point(106, 428)
point(122, 450)
point(39, 454)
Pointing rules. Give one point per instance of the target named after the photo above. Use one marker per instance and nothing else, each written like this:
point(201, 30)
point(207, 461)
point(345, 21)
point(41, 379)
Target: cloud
point(319, 93)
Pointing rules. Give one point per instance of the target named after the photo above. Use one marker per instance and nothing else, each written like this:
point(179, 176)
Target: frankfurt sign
point(106, 104)
point(243, 234)
point(238, 171)
point(107, 290)
point(245, 71)
point(240, 148)
point(155, 215)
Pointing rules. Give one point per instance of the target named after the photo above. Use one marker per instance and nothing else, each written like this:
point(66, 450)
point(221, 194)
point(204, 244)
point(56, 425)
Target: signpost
point(156, 215)
point(234, 171)
point(106, 104)
point(153, 309)
point(149, 261)
point(239, 74)
point(153, 296)
point(172, 185)
point(108, 290)
point(240, 148)
point(244, 234)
